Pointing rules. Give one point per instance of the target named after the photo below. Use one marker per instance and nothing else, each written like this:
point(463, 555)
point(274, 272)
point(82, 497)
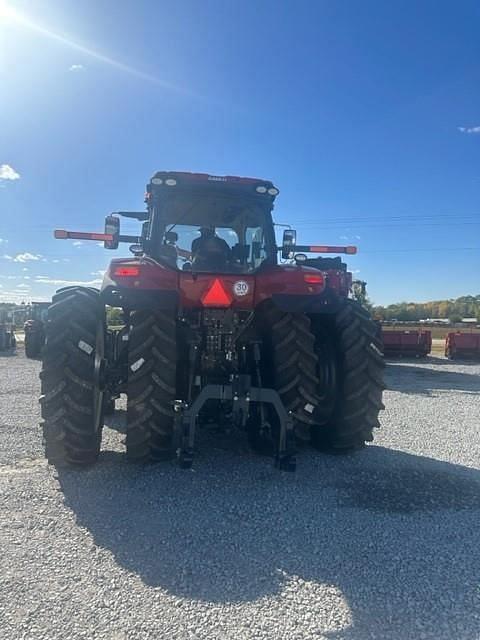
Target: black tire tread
point(361, 363)
point(292, 355)
point(67, 378)
point(151, 389)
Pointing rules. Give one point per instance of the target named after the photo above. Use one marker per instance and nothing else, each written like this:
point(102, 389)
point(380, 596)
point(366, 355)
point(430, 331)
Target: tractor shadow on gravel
point(422, 380)
point(396, 534)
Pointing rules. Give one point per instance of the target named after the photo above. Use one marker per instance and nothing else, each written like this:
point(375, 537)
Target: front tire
point(72, 398)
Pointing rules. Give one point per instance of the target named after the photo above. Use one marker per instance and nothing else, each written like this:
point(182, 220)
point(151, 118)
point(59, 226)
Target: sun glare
point(8, 14)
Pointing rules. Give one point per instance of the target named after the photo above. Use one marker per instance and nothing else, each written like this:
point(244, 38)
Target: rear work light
point(313, 278)
point(126, 272)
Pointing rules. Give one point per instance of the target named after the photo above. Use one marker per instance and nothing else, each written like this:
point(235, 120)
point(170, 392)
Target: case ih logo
point(217, 178)
point(240, 288)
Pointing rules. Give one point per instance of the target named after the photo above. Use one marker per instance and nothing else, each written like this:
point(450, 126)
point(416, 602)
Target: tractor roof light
point(261, 189)
point(170, 182)
point(157, 181)
point(273, 191)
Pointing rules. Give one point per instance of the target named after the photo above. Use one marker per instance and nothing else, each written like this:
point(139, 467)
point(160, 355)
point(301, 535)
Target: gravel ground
point(383, 544)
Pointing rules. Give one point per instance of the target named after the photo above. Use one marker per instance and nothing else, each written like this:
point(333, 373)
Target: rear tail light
point(126, 272)
point(313, 278)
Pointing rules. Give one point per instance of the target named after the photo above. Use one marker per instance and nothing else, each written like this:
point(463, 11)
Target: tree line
point(453, 309)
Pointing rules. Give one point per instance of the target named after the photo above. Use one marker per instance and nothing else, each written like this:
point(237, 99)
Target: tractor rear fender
point(325, 302)
point(141, 284)
point(140, 299)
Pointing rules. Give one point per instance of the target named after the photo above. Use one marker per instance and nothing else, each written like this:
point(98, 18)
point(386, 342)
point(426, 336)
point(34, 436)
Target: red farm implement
point(411, 343)
point(462, 345)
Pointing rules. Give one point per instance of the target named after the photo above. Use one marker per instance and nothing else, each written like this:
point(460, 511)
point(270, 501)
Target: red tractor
point(221, 327)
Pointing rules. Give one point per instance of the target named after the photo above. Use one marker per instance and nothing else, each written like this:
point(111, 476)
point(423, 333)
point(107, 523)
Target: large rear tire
point(151, 386)
point(289, 364)
point(349, 348)
point(73, 358)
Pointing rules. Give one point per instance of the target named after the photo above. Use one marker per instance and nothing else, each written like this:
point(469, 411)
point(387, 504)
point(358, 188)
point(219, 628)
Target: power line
point(450, 249)
point(383, 220)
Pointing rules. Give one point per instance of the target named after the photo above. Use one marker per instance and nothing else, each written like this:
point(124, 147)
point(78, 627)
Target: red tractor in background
point(221, 326)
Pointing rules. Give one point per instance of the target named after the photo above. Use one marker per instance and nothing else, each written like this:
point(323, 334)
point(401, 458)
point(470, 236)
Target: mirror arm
point(131, 239)
point(137, 215)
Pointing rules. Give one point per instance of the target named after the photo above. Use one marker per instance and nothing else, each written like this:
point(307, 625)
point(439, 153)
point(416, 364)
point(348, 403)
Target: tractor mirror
point(289, 242)
point(112, 227)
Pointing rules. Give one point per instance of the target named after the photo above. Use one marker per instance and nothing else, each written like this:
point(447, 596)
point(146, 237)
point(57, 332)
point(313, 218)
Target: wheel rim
point(99, 377)
point(327, 372)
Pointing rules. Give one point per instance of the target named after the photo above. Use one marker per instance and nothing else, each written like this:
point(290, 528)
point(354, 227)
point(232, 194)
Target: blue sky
point(365, 114)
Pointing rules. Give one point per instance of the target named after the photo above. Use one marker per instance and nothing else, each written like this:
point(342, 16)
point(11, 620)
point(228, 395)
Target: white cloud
point(469, 129)
point(8, 173)
point(77, 67)
point(349, 238)
point(66, 283)
point(25, 269)
point(16, 296)
point(100, 273)
point(23, 286)
point(24, 257)
point(78, 243)
point(3, 241)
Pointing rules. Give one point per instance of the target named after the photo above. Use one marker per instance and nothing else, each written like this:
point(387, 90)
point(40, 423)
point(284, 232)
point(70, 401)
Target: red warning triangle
point(216, 296)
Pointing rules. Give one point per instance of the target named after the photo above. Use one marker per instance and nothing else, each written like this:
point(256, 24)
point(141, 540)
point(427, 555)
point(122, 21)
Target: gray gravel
point(383, 544)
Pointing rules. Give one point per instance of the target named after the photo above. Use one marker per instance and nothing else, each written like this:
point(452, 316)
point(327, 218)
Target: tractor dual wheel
point(151, 386)
point(328, 371)
point(71, 377)
point(350, 371)
point(34, 342)
point(289, 365)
